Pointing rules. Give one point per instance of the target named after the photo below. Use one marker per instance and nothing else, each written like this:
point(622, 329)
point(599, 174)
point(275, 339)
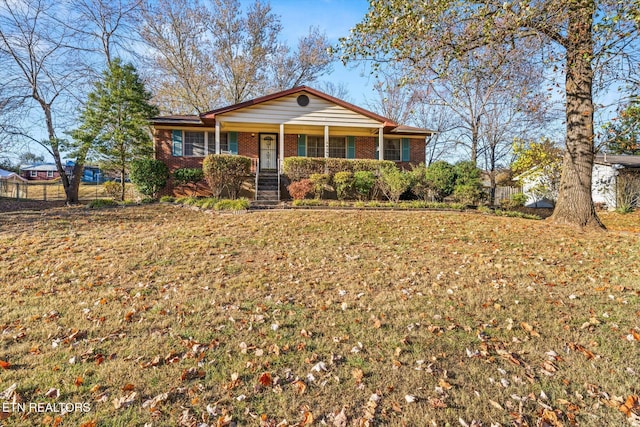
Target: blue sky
point(335, 18)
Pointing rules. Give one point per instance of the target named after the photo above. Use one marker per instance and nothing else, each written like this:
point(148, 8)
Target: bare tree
point(394, 99)
point(40, 69)
point(337, 90)
point(47, 48)
point(243, 47)
point(182, 74)
point(433, 115)
point(107, 26)
point(204, 56)
point(305, 65)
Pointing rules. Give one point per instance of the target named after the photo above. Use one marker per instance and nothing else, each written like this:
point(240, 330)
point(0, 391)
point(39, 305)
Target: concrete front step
point(264, 204)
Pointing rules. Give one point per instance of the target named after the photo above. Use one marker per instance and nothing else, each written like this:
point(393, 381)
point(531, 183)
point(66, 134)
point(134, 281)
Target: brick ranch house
point(39, 172)
point(296, 122)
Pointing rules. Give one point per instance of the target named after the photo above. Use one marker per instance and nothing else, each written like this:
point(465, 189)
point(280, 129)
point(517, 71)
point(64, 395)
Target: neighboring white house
point(541, 191)
point(540, 185)
point(606, 168)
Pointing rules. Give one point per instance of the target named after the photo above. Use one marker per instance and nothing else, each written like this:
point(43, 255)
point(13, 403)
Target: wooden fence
point(505, 193)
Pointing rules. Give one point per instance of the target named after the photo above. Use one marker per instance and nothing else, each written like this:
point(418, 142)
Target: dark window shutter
point(351, 147)
point(302, 145)
point(176, 139)
point(233, 142)
point(406, 151)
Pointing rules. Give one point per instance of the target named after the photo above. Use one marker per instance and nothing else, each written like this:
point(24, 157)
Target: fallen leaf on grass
point(579, 347)
point(52, 393)
point(265, 379)
point(300, 386)
point(357, 375)
point(192, 373)
point(153, 403)
point(445, 385)
point(4, 364)
point(78, 382)
point(527, 327)
point(92, 423)
point(631, 405)
point(340, 420)
point(437, 403)
point(549, 419)
point(128, 387)
point(235, 382)
point(124, 401)
point(633, 336)
point(307, 419)
point(496, 405)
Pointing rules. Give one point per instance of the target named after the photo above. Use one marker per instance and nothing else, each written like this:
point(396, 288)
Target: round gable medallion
point(303, 100)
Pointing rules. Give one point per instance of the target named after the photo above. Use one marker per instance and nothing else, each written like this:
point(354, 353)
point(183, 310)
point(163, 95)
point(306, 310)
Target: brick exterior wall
point(41, 176)
point(248, 146)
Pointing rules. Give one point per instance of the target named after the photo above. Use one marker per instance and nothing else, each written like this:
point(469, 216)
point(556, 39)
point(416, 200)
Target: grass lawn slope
point(169, 316)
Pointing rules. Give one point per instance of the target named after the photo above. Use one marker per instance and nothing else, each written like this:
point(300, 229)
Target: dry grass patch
point(164, 315)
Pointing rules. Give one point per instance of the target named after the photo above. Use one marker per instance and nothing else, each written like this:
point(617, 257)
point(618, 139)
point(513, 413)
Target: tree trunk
point(123, 184)
point(70, 191)
point(575, 205)
point(475, 131)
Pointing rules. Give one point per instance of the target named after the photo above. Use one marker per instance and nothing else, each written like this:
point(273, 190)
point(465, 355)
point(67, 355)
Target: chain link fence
point(52, 191)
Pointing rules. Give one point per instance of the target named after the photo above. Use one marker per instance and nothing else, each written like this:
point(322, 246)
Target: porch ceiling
point(297, 129)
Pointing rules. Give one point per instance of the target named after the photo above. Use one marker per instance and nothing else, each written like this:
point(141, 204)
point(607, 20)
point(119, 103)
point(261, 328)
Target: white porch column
point(206, 142)
point(326, 142)
point(217, 137)
point(281, 143)
point(380, 144)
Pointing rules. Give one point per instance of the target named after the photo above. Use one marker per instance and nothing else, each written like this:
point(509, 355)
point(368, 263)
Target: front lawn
point(169, 316)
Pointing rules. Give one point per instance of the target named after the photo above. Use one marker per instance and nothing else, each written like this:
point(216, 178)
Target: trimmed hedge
point(226, 171)
point(297, 168)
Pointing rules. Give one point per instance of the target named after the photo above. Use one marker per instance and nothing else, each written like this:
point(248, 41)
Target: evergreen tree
point(116, 118)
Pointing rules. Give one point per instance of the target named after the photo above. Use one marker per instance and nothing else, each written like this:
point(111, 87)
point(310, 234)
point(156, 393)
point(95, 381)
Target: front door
point(268, 151)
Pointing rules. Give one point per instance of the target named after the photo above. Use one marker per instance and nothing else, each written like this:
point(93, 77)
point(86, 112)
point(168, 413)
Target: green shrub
point(468, 194)
point(102, 203)
point(485, 209)
point(299, 168)
point(419, 184)
point(167, 199)
point(440, 179)
point(189, 201)
point(320, 181)
point(343, 182)
point(515, 201)
point(363, 183)
point(515, 214)
point(208, 203)
point(393, 182)
point(232, 205)
point(113, 190)
point(468, 188)
point(370, 165)
point(147, 200)
point(298, 190)
point(226, 171)
point(188, 177)
point(149, 176)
